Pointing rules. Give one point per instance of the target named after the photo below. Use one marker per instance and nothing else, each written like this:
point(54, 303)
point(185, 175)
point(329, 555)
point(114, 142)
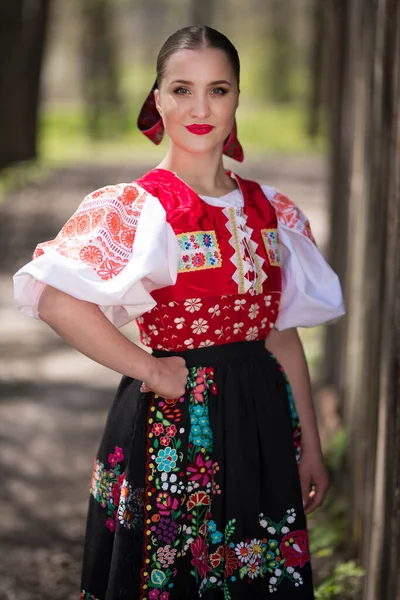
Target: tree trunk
point(317, 64)
point(101, 77)
point(23, 27)
point(280, 48)
point(365, 221)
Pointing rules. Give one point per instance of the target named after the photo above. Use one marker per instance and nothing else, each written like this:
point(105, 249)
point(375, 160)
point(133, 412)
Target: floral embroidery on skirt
point(196, 500)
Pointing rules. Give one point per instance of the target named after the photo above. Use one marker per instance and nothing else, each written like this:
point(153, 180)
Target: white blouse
point(311, 291)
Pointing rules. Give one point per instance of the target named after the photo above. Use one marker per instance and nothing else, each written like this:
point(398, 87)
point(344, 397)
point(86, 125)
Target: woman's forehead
point(203, 65)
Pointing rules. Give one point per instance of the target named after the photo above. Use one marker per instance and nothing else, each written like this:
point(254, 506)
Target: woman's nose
point(200, 107)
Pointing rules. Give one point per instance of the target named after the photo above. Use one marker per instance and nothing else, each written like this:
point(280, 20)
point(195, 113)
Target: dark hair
point(193, 38)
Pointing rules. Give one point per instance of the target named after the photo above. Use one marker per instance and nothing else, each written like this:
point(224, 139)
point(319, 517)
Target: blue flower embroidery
point(198, 411)
point(212, 526)
point(216, 537)
point(166, 459)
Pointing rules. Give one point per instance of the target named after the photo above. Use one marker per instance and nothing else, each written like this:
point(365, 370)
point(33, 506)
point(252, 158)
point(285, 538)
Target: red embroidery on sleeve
point(102, 230)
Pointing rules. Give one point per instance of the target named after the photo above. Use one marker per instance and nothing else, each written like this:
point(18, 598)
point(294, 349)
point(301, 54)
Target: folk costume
point(200, 496)
point(196, 497)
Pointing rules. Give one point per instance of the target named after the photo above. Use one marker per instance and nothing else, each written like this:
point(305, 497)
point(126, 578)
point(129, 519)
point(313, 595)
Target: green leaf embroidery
point(229, 529)
point(227, 594)
point(243, 572)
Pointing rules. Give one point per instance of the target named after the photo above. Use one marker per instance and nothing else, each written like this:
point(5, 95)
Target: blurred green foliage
point(270, 129)
point(345, 584)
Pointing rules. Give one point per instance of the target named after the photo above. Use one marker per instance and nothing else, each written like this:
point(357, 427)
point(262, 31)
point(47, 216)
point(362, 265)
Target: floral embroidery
point(252, 334)
point(176, 522)
point(106, 485)
point(271, 243)
point(290, 215)
point(110, 488)
point(130, 508)
point(239, 304)
point(199, 326)
point(193, 304)
point(196, 323)
point(253, 311)
point(199, 250)
point(206, 343)
point(180, 485)
point(101, 232)
point(277, 556)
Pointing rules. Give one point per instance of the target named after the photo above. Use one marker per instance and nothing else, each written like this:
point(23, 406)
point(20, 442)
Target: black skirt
point(200, 497)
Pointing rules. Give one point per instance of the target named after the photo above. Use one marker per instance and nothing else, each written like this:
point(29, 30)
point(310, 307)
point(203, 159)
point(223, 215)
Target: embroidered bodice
point(227, 287)
point(193, 271)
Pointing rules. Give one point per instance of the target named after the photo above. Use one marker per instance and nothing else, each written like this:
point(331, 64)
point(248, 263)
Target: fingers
point(144, 388)
point(315, 499)
point(316, 495)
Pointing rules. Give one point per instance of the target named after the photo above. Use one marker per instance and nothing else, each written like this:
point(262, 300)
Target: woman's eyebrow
point(184, 82)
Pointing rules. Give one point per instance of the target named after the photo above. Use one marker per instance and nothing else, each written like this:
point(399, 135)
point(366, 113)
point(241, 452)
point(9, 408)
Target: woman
point(196, 491)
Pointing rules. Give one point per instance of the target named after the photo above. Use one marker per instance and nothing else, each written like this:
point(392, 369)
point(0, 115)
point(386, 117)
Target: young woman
point(196, 490)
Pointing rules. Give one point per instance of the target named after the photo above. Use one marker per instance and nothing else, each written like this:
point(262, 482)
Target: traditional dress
point(197, 497)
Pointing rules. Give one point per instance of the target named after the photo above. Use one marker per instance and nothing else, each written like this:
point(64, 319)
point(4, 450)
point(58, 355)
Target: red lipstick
point(199, 129)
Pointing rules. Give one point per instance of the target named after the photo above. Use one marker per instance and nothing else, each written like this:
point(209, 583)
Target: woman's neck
point(204, 174)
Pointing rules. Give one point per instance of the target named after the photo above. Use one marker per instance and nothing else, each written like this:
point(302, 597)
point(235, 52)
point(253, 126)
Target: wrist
point(151, 371)
point(310, 442)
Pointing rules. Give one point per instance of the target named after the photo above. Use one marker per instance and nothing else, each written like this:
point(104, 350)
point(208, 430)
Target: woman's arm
point(84, 326)
point(288, 349)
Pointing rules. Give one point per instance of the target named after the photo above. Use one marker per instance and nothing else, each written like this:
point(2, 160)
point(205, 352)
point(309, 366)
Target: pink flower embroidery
point(166, 503)
point(171, 431)
point(200, 556)
point(110, 523)
point(158, 428)
point(201, 470)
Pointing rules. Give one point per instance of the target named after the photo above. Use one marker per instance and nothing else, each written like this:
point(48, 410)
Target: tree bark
point(365, 217)
point(101, 76)
point(23, 28)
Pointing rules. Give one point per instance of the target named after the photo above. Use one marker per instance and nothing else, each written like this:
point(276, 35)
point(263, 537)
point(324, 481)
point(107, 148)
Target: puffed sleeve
point(114, 251)
point(311, 291)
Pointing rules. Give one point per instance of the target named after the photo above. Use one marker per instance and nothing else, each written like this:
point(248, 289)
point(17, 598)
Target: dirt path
point(53, 401)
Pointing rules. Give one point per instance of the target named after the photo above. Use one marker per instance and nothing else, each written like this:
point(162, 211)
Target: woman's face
point(199, 88)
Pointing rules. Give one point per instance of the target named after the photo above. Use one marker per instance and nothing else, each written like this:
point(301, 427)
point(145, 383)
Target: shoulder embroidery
point(199, 250)
point(102, 230)
point(290, 215)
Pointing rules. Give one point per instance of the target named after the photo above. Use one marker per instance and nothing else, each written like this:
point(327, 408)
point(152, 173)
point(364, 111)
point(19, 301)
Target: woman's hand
point(169, 379)
point(314, 480)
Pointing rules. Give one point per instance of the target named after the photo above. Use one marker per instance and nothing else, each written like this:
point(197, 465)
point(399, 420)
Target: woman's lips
point(199, 129)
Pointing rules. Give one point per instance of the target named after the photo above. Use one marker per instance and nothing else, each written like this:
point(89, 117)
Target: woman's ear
point(157, 101)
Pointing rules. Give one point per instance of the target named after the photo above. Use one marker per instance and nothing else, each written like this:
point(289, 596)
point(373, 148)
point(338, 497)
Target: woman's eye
point(181, 91)
point(219, 91)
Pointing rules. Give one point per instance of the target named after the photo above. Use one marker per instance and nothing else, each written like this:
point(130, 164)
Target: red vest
point(229, 280)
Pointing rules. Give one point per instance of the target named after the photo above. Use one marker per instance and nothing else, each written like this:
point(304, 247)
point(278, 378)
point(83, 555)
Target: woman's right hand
point(169, 378)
